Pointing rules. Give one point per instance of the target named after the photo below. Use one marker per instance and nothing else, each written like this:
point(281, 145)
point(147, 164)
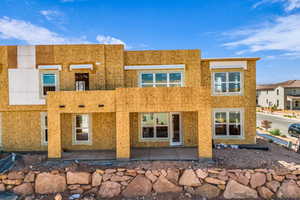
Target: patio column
point(204, 133)
point(291, 104)
point(54, 135)
point(123, 135)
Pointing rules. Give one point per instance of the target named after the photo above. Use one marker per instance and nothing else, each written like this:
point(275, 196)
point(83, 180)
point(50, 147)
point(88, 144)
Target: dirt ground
point(275, 157)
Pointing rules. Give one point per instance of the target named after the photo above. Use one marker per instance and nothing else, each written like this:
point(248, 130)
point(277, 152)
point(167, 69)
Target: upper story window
point(227, 83)
point(161, 79)
point(81, 81)
point(49, 82)
point(277, 91)
point(228, 122)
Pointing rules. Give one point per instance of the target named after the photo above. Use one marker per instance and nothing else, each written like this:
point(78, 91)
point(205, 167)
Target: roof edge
point(231, 59)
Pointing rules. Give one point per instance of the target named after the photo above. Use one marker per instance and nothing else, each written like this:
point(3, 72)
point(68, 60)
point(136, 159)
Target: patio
point(137, 154)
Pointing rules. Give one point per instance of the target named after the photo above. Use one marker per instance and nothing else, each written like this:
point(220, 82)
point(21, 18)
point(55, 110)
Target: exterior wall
point(272, 98)
point(247, 101)
point(103, 132)
point(189, 131)
point(194, 101)
point(21, 131)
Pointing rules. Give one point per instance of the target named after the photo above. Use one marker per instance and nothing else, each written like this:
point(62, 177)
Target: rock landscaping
point(129, 183)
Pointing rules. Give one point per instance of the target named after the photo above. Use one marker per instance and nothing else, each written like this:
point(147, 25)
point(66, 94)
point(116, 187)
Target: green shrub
point(275, 132)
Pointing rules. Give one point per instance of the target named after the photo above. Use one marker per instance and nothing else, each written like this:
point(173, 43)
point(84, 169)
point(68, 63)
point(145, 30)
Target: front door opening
point(176, 136)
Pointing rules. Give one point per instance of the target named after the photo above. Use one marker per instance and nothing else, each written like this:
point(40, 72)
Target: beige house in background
point(283, 95)
point(101, 97)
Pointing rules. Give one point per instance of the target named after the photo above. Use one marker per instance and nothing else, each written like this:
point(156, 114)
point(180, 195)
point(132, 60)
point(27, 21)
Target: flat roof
point(230, 59)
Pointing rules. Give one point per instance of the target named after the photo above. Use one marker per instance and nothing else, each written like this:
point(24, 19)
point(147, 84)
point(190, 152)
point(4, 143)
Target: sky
point(269, 29)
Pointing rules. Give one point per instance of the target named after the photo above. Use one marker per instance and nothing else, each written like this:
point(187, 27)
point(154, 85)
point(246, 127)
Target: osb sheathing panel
point(12, 60)
point(22, 131)
point(103, 132)
point(162, 99)
point(165, 57)
point(246, 101)
point(72, 100)
point(189, 131)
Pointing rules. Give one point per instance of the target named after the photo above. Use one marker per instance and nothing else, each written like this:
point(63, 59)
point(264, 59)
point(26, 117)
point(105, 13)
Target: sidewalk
point(277, 114)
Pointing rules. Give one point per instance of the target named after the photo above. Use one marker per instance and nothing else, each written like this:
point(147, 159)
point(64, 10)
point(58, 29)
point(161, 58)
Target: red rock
point(242, 179)
point(78, 177)
point(214, 181)
point(173, 175)
point(15, 175)
point(110, 171)
point(43, 183)
point(116, 178)
point(273, 185)
point(96, 179)
point(2, 187)
point(163, 185)
point(139, 186)
point(234, 190)
point(23, 189)
point(189, 178)
point(208, 191)
point(201, 173)
point(278, 178)
point(150, 176)
point(257, 179)
point(109, 189)
point(29, 178)
point(265, 193)
point(289, 189)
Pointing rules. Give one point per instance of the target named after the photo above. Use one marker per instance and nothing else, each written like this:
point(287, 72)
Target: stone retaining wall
point(108, 183)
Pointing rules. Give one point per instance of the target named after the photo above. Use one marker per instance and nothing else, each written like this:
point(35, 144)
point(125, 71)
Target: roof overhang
point(147, 67)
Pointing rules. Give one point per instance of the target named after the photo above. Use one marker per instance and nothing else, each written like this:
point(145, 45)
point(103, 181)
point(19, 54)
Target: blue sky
point(269, 29)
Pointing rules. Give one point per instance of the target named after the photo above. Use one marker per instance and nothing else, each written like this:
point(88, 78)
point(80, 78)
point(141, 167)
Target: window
point(294, 92)
point(228, 123)
point(49, 82)
point(296, 103)
point(227, 82)
point(81, 130)
point(155, 126)
point(161, 79)
point(44, 128)
point(277, 91)
point(277, 103)
point(81, 81)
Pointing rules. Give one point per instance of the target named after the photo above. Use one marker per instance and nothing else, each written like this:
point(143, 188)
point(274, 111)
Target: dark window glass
point(46, 135)
point(162, 131)
point(82, 81)
point(234, 129)
point(220, 129)
point(148, 132)
point(47, 89)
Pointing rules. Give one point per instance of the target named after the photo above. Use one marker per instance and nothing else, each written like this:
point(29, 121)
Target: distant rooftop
point(285, 84)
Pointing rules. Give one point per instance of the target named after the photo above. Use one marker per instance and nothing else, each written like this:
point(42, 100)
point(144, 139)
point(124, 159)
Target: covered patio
point(138, 154)
point(293, 102)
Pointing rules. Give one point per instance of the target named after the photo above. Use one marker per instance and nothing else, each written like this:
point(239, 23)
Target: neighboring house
point(98, 97)
point(283, 95)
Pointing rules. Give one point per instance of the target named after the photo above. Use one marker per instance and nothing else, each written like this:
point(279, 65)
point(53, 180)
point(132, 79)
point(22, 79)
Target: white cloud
point(282, 34)
point(33, 34)
point(51, 14)
point(102, 39)
point(289, 5)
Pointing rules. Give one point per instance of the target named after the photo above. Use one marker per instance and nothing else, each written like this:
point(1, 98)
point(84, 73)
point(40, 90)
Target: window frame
point(227, 82)
point(228, 110)
point(56, 73)
point(155, 138)
point(140, 84)
point(44, 128)
point(74, 128)
point(86, 86)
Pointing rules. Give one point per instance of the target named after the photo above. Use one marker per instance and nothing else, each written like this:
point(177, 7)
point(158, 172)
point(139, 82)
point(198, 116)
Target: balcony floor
point(137, 154)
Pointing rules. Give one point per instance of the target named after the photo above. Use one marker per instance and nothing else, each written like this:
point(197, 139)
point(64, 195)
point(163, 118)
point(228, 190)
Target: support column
point(291, 104)
point(123, 135)
point(204, 133)
point(54, 135)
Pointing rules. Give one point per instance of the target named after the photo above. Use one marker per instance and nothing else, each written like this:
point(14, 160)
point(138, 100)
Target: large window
point(81, 81)
point(227, 83)
point(161, 79)
point(81, 129)
point(228, 122)
point(44, 128)
point(155, 126)
point(49, 82)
